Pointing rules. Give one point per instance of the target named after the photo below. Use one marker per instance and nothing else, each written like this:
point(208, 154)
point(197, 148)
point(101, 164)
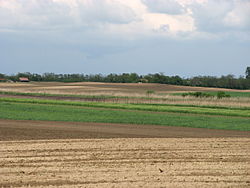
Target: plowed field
point(100, 88)
point(12, 130)
point(128, 162)
point(82, 154)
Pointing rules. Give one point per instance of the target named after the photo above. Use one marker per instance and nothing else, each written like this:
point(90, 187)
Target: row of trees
point(228, 81)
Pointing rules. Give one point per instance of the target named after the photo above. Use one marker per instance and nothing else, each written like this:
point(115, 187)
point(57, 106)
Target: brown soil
point(33, 130)
point(95, 87)
point(140, 162)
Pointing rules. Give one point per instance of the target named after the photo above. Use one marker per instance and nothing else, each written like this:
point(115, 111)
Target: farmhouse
point(23, 79)
point(143, 80)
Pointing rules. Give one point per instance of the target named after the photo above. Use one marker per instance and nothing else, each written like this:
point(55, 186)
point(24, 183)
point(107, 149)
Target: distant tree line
point(229, 81)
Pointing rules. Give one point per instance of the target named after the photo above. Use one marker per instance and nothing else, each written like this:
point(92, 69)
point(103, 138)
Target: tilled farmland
point(126, 162)
point(96, 146)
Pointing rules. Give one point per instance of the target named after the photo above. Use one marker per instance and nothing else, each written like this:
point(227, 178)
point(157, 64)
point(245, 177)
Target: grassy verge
point(100, 97)
point(25, 111)
point(57, 95)
point(225, 111)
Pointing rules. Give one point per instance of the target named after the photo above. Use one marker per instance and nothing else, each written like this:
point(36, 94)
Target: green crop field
point(189, 109)
point(31, 109)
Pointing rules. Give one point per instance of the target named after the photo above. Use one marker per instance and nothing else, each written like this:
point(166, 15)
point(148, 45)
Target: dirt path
point(141, 162)
point(32, 130)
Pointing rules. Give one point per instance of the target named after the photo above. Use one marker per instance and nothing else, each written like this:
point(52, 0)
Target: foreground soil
point(33, 130)
point(138, 162)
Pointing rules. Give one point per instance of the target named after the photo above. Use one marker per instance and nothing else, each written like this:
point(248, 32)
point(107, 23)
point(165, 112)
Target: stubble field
point(83, 152)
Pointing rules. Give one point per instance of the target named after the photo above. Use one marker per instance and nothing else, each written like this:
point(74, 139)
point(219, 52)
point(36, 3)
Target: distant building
point(2, 80)
point(23, 79)
point(143, 80)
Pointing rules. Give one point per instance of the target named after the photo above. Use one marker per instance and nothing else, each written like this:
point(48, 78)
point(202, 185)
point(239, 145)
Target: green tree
point(2, 75)
point(248, 73)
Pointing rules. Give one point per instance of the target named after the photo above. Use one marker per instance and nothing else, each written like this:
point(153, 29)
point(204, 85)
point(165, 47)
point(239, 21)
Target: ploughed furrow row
point(147, 162)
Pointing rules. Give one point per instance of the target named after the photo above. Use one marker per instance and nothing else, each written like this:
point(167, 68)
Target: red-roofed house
point(23, 79)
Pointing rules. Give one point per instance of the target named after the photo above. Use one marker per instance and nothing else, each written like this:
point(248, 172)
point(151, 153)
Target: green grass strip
point(141, 107)
point(57, 95)
point(25, 111)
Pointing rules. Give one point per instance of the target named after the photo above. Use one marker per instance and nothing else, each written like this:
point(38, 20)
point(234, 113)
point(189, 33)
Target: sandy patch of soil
point(140, 162)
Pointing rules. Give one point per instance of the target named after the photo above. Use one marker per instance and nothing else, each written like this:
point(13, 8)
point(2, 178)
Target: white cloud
point(56, 13)
point(221, 15)
point(239, 16)
point(164, 6)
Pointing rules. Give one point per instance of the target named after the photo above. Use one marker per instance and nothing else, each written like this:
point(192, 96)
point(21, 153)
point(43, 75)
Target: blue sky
point(176, 37)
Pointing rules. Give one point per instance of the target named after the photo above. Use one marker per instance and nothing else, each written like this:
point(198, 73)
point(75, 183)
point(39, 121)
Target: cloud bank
point(185, 37)
point(130, 18)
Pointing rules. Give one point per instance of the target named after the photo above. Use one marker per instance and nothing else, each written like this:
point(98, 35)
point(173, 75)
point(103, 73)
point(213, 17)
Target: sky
point(175, 37)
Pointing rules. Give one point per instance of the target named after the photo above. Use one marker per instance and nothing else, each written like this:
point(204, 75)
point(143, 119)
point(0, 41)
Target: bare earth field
point(78, 88)
point(34, 130)
point(37, 154)
point(127, 162)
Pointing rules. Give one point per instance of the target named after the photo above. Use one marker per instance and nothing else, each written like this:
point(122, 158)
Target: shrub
point(149, 92)
point(197, 94)
point(222, 94)
point(184, 94)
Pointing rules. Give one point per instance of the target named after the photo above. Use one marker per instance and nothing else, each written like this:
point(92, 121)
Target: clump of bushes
point(219, 95)
point(222, 94)
point(197, 94)
point(150, 92)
